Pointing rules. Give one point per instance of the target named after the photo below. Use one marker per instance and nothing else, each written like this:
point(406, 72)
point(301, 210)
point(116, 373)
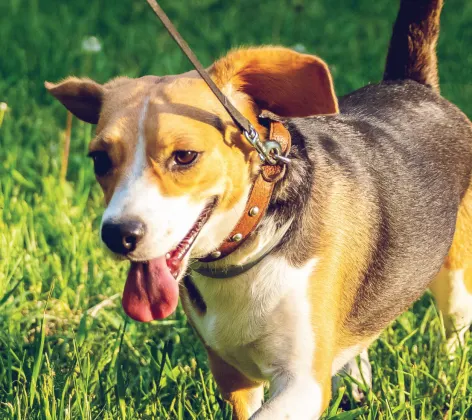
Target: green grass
point(67, 351)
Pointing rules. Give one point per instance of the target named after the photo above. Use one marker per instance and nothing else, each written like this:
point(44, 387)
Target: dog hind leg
point(452, 287)
point(452, 290)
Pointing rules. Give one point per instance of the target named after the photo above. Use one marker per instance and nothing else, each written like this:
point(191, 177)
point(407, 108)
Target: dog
point(374, 207)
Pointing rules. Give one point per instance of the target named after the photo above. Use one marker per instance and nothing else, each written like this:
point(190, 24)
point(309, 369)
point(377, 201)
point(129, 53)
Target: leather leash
point(238, 118)
point(273, 152)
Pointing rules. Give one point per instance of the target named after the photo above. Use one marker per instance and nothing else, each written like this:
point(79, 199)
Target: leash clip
point(270, 151)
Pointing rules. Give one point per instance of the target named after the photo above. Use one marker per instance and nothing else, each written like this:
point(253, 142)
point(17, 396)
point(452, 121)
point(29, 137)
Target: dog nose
point(123, 237)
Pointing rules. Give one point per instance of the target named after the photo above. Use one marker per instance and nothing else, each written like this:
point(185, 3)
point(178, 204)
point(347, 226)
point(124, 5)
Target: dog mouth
point(151, 291)
point(175, 257)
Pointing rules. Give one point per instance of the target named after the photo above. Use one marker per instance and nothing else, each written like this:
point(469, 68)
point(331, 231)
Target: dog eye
point(101, 163)
point(185, 157)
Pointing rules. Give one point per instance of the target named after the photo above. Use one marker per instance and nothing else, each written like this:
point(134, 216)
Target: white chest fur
point(259, 321)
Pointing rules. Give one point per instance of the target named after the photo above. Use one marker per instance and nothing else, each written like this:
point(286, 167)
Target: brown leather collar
point(259, 197)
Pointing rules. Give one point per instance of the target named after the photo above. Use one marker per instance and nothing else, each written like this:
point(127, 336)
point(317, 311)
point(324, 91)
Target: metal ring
point(270, 152)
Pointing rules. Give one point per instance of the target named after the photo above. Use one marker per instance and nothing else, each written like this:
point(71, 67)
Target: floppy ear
point(279, 80)
point(82, 97)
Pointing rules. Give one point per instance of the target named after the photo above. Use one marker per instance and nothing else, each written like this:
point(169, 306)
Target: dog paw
point(360, 371)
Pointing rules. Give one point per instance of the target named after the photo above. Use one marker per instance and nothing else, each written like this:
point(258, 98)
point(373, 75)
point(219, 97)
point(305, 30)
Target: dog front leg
point(361, 372)
point(294, 397)
point(244, 395)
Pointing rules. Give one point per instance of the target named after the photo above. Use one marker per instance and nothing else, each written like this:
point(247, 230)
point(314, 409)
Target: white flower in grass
point(91, 44)
point(299, 48)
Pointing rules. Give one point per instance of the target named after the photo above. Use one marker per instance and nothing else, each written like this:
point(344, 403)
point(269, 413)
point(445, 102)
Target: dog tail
point(412, 51)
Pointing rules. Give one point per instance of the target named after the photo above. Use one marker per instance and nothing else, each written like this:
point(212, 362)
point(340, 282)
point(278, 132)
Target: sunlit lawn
point(67, 351)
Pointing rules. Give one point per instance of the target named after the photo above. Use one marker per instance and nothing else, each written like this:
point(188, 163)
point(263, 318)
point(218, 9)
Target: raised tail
point(412, 51)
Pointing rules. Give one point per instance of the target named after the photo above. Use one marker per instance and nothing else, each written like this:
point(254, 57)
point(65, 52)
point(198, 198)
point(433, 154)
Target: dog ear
point(82, 97)
point(279, 80)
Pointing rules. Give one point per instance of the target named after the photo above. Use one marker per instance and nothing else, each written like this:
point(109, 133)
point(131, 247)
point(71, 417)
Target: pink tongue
point(151, 292)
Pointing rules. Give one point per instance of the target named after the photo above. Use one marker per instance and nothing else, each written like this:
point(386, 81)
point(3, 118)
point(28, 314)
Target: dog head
point(173, 165)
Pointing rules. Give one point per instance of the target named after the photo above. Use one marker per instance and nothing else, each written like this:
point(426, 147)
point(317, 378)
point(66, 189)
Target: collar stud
point(254, 211)
point(215, 254)
point(237, 237)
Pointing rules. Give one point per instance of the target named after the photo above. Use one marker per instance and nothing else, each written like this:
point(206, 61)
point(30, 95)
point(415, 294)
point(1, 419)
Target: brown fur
point(460, 254)
point(332, 299)
point(310, 91)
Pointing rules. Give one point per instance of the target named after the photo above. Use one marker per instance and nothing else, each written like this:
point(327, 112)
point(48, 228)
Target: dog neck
point(277, 227)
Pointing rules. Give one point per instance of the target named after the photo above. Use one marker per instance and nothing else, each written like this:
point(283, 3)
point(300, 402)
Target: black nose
point(122, 237)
